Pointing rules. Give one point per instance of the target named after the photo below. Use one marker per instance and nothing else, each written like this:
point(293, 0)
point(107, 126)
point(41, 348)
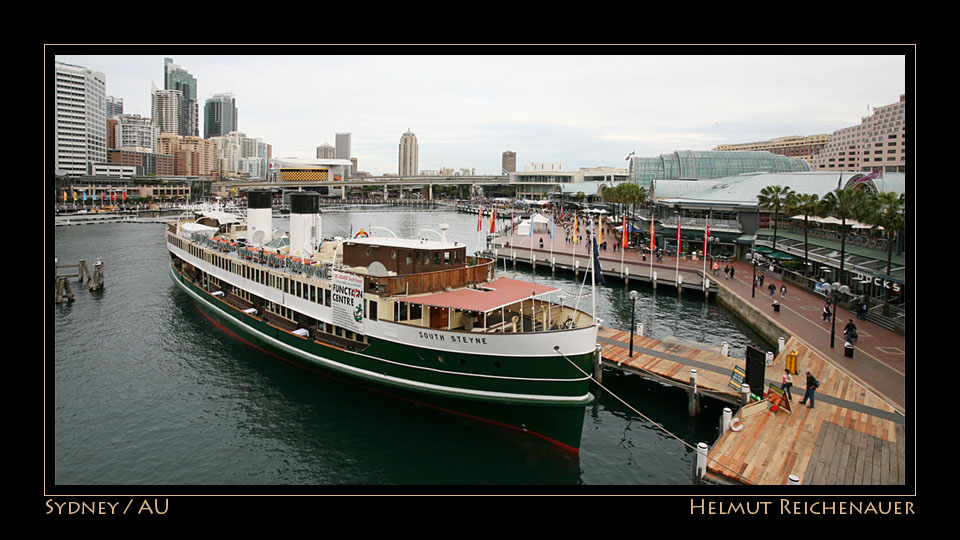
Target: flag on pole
point(599, 230)
point(575, 226)
point(479, 218)
point(623, 235)
point(706, 237)
point(653, 238)
point(493, 218)
point(596, 263)
point(678, 236)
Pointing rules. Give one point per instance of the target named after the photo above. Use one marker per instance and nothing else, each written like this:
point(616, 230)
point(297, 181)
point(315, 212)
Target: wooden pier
point(655, 274)
point(851, 437)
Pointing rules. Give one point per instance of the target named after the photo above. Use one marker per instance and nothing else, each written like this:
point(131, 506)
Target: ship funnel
point(305, 231)
point(259, 216)
point(443, 232)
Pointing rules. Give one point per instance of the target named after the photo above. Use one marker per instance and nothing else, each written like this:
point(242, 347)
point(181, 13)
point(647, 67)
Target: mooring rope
point(645, 417)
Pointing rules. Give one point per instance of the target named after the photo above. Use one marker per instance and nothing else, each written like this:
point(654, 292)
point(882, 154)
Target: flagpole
point(677, 276)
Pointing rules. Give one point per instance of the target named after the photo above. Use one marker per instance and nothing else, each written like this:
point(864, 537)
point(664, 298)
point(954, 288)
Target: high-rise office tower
point(177, 78)
point(325, 151)
point(114, 106)
point(219, 115)
point(343, 146)
point(81, 121)
point(343, 150)
point(409, 158)
point(508, 162)
point(165, 109)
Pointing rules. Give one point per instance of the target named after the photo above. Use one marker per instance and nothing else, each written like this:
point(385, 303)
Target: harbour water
point(147, 392)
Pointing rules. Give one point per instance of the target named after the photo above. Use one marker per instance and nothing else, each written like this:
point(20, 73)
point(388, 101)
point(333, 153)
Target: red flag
point(678, 236)
point(623, 236)
point(479, 218)
point(493, 219)
point(653, 238)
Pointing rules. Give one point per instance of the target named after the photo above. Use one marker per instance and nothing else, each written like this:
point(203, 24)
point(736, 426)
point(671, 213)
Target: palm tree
point(807, 204)
point(774, 198)
point(886, 211)
point(843, 204)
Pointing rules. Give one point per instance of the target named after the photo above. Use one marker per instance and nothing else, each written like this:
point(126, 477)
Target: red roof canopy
point(493, 295)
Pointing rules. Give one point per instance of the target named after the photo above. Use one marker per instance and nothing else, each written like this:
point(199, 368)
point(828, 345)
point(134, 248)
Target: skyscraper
point(81, 121)
point(166, 109)
point(114, 106)
point(325, 151)
point(409, 158)
point(508, 162)
point(219, 115)
point(343, 150)
point(177, 78)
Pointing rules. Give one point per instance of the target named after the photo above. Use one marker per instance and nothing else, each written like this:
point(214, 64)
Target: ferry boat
point(416, 318)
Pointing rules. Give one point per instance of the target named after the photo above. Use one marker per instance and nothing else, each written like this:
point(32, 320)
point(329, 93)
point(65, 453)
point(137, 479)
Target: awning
point(782, 256)
point(494, 295)
point(762, 249)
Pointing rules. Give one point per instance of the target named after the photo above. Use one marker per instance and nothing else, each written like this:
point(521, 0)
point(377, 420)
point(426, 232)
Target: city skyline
point(580, 111)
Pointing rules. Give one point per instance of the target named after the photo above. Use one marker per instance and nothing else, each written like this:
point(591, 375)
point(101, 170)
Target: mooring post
point(726, 419)
point(640, 329)
point(780, 344)
point(626, 278)
point(653, 279)
point(693, 400)
point(744, 394)
point(701, 463)
point(724, 349)
point(793, 480)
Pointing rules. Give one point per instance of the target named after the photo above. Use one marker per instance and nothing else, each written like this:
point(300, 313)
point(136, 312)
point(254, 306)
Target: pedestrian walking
point(761, 279)
point(731, 272)
point(826, 312)
point(772, 288)
point(850, 332)
point(787, 384)
point(783, 291)
point(812, 385)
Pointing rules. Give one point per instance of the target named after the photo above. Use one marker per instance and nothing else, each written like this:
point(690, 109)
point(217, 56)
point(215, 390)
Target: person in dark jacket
point(812, 385)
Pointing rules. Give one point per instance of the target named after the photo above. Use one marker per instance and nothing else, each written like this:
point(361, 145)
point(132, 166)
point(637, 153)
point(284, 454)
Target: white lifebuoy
point(736, 425)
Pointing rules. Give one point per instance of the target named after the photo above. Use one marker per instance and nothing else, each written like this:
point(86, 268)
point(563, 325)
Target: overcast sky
point(466, 110)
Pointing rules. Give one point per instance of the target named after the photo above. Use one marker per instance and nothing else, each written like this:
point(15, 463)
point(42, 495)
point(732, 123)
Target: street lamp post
point(835, 290)
point(633, 317)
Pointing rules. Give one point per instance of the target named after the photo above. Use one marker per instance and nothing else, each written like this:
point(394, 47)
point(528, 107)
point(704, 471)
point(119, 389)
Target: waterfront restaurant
point(739, 227)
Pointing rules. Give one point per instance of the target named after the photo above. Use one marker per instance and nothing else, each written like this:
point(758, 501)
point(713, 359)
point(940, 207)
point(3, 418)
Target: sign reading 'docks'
point(347, 301)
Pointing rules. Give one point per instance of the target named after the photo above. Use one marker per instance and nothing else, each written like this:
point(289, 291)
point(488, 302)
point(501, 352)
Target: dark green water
point(147, 392)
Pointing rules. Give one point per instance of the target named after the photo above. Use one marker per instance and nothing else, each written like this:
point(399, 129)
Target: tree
point(886, 212)
point(774, 198)
point(807, 204)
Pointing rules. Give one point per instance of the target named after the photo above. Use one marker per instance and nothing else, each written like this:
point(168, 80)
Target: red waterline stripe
point(563, 446)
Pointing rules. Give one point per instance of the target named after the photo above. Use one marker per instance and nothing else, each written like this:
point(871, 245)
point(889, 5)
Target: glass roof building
point(689, 164)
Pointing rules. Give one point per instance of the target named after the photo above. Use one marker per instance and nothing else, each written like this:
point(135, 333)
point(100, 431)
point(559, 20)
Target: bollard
point(640, 329)
point(725, 419)
point(693, 405)
point(553, 264)
point(769, 358)
point(793, 480)
point(780, 344)
point(654, 280)
point(679, 283)
point(701, 461)
point(725, 349)
point(533, 261)
point(744, 394)
point(576, 268)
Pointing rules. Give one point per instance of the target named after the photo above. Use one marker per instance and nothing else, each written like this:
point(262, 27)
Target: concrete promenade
point(880, 356)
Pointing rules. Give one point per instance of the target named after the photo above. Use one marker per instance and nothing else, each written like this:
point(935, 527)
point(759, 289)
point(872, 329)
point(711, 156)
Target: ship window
point(338, 331)
point(372, 310)
point(409, 259)
point(326, 297)
point(446, 257)
point(416, 311)
point(436, 257)
point(426, 257)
